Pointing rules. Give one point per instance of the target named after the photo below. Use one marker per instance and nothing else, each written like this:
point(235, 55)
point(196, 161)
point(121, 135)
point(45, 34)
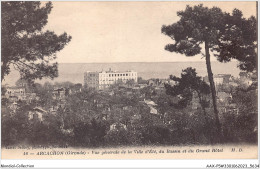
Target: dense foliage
point(24, 44)
point(93, 118)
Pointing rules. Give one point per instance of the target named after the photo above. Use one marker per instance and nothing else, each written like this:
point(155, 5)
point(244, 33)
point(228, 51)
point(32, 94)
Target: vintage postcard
point(129, 80)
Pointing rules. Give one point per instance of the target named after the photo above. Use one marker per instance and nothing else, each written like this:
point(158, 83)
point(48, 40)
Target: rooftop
point(15, 87)
point(110, 71)
point(222, 75)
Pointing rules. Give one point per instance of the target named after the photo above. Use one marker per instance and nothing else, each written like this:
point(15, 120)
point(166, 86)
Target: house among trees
point(153, 110)
point(171, 82)
point(59, 93)
point(31, 96)
point(230, 108)
point(246, 78)
point(77, 88)
point(117, 126)
point(162, 82)
point(15, 93)
point(224, 97)
point(20, 92)
point(13, 107)
point(100, 102)
point(151, 104)
point(220, 79)
point(151, 82)
point(37, 114)
point(53, 109)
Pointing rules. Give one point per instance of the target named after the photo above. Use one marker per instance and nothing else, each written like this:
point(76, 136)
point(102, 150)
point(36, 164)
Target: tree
point(21, 83)
point(187, 84)
point(241, 124)
point(239, 41)
point(148, 91)
point(140, 80)
point(185, 87)
point(25, 84)
point(246, 99)
point(66, 84)
point(24, 45)
point(227, 36)
point(78, 86)
point(3, 90)
point(130, 82)
point(48, 86)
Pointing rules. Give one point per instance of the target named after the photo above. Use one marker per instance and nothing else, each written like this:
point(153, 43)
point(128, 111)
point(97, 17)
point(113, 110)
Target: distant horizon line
point(138, 62)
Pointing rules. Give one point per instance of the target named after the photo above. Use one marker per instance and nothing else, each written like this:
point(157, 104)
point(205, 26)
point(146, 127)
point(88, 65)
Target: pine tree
point(24, 43)
point(226, 36)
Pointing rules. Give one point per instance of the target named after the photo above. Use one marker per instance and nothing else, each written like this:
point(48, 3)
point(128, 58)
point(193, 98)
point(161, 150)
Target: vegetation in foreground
point(121, 116)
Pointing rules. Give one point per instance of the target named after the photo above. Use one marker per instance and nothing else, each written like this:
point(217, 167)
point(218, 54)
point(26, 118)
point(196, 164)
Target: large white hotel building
point(103, 79)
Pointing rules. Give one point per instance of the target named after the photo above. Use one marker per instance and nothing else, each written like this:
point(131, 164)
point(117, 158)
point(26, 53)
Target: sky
point(105, 32)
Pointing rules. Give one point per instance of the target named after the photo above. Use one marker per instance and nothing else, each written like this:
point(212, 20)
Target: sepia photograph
point(129, 80)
